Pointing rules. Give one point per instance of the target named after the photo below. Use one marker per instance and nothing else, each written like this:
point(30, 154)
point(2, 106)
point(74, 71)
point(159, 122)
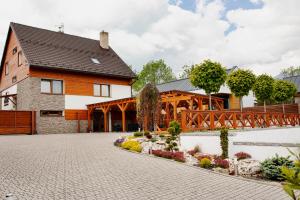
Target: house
point(230, 101)
point(296, 81)
point(57, 75)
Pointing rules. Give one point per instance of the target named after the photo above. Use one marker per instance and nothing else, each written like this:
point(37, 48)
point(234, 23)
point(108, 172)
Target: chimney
point(104, 40)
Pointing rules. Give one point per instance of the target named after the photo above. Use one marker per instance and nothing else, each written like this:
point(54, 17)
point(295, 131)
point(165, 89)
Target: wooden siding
point(234, 102)
point(17, 122)
point(20, 72)
point(76, 83)
point(76, 114)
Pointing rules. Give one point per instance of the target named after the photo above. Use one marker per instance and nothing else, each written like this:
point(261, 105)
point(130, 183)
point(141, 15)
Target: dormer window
point(95, 61)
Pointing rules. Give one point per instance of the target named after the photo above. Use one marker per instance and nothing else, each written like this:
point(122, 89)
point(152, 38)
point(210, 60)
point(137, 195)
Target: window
point(20, 58)
point(6, 68)
point(95, 60)
point(51, 86)
point(105, 90)
point(15, 50)
point(51, 113)
point(101, 90)
point(97, 90)
point(14, 79)
point(6, 100)
point(57, 87)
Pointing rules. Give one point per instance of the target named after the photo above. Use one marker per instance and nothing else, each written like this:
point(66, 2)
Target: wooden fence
point(288, 108)
point(211, 120)
point(17, 122)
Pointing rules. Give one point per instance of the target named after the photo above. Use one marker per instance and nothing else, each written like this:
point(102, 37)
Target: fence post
point(212, 120)
point(252, 120)
point(183, 120)
point(280, 119)
point(267, 119)
point(33, 121)
point(234, 124)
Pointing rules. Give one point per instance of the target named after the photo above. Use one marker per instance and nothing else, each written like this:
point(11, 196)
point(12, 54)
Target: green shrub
point(174, 128)
point(271, 168)
point(138, 134)
point(205, 163)
point(224, 142)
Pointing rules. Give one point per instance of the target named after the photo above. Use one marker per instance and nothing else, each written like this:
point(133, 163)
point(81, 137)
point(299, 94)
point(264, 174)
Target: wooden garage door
point(17, 122)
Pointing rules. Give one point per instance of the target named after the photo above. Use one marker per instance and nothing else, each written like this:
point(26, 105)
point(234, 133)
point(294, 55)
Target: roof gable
point(56, 50)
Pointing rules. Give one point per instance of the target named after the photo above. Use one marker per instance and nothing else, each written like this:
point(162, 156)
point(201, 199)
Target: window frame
point(6, 68)
point(51, 86)
point(20, 54)
point(6, 100)
point(59, 113)
point(15, 50)
point(100, 87)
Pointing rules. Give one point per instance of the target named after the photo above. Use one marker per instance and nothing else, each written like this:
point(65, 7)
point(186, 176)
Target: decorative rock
point(248, 167)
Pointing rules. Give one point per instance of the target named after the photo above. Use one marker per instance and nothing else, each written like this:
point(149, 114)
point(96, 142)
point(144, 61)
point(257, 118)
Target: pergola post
point(123, 107)
point(175, 110)
point(105, 111)
point(89, 120)
point(167, 114)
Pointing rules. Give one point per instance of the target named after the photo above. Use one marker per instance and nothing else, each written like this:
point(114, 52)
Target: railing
point(211, 120)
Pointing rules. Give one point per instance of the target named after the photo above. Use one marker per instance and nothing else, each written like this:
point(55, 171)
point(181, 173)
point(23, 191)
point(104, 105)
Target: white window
point(51, 86)
point(102, 90)
point(105, 90)
point(95, 60)
point(57, 87)
point(97, 90)
point(6, 68)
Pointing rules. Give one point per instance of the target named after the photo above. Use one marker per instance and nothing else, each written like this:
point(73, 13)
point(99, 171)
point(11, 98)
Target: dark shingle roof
point(295, 80)
point(55, 50)
point(182, 84)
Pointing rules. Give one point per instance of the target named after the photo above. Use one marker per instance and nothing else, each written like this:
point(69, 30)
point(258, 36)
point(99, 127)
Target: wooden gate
point(17, 122)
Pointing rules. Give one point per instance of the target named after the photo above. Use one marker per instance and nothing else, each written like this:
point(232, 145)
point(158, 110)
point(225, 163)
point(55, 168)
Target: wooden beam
point(89, 119)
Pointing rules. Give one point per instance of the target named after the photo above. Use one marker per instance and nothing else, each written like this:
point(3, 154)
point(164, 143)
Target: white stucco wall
point(80, 102)
point(258, 143)
point(11, 90)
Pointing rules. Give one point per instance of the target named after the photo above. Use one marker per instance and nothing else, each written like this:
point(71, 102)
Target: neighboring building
point(57, 74)
point(296, 81)
point(230, 101)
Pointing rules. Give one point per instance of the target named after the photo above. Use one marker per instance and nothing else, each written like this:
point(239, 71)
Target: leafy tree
point(263, 88)
point(148, 104)
point(154, 72)
point(291, 71)
point(240, 83)
point(187, 69)
point(209, 76)
point(284, 91)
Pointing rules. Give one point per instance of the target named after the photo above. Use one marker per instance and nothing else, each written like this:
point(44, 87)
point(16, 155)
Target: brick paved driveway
point(88, 166)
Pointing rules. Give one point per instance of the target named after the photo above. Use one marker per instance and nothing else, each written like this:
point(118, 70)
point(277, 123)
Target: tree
point(263, 88)
point(291, 71)
point(148, 104)
point(154, 72)
point(240, 83)
point(283, 91)
point(187, 69)
point(209, 76)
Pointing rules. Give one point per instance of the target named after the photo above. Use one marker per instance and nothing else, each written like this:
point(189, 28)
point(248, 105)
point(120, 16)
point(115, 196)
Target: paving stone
point(88, 166)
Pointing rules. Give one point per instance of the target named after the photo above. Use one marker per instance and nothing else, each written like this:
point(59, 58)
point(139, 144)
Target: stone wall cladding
point(31, 98)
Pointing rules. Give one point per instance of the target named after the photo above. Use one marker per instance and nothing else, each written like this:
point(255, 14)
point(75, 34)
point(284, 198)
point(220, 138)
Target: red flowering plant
point(242, 155)
point(179, 156)
point(221, 163)
point(208, 156)
point(157, 152)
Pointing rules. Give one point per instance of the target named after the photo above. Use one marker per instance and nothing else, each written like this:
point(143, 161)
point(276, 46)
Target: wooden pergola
point(173, 102)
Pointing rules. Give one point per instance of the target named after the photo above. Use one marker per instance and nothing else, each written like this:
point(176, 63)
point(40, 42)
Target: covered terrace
point(120, 115)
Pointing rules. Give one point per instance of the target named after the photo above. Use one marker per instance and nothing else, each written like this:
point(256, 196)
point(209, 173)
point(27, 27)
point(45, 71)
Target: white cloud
point(265, 40)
